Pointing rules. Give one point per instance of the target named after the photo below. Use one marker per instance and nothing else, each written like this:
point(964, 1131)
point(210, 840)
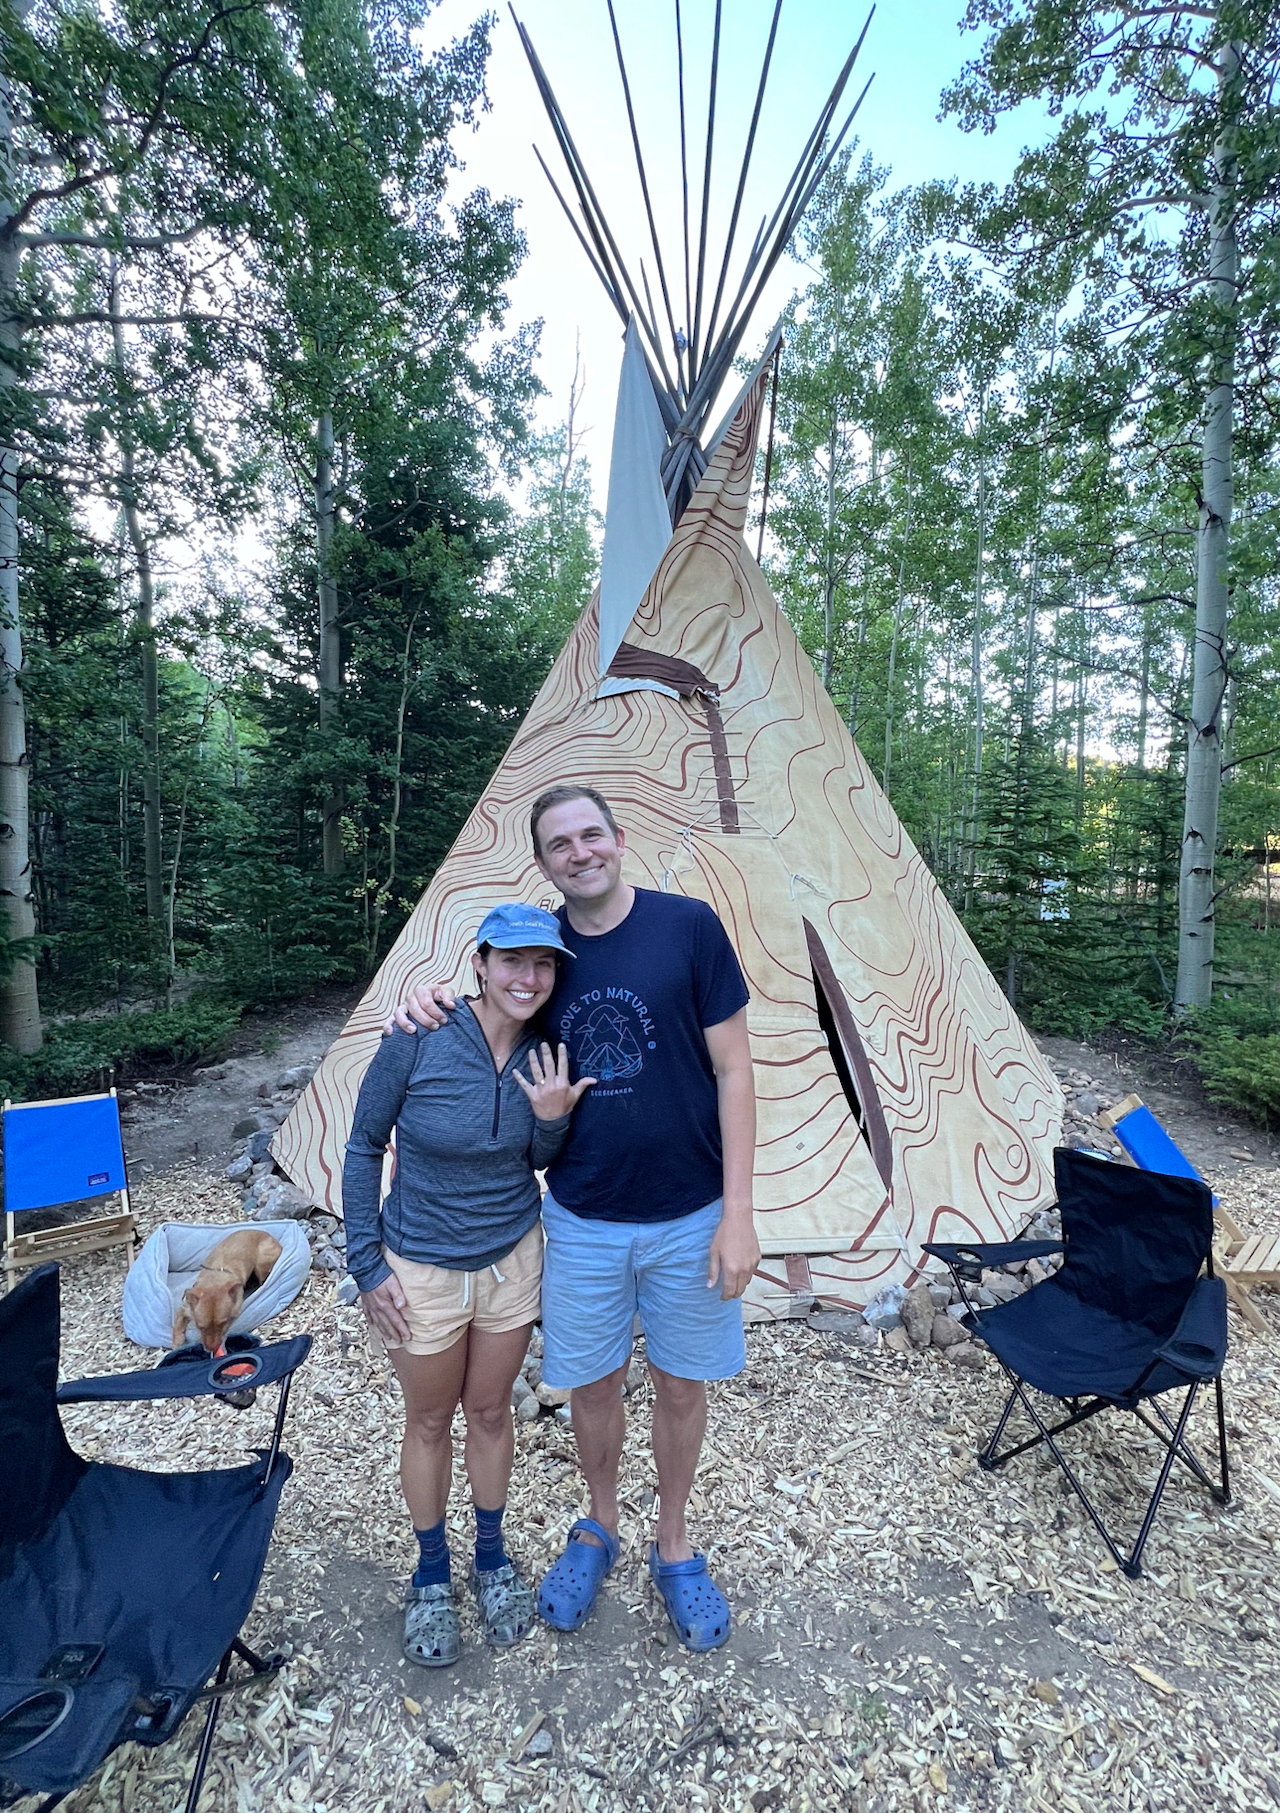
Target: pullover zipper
point(497, 1079)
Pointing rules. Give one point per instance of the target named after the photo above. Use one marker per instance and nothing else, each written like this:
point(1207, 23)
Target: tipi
point(900, 1100)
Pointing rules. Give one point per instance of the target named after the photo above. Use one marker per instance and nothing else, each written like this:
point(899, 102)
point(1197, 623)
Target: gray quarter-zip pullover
point(467, 1143)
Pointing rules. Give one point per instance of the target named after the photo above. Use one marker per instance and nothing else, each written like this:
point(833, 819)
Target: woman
point(449, 1269)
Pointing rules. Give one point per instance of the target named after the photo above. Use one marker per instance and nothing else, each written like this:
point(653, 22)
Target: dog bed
point(170, 1259)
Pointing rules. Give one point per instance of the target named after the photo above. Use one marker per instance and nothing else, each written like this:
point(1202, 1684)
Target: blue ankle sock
point(433, 1557)
point(490, 1553)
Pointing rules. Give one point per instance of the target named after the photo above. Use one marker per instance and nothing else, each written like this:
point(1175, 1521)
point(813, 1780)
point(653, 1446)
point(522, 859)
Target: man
point(649, 1207)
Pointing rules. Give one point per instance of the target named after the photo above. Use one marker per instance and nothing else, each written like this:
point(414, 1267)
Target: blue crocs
point(569, 1586)
point(695, 1605)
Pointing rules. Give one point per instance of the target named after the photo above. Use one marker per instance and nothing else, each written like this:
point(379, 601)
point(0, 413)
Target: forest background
point(1024, 512)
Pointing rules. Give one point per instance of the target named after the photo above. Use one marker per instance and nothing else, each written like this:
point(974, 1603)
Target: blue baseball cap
point(512, 927)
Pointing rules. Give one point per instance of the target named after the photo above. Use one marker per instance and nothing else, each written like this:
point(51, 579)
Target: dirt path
point(1220, 1144)
point(193, 1121)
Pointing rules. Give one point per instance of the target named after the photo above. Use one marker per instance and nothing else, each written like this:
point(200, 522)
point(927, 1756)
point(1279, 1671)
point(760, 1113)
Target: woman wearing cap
point(449, 1267)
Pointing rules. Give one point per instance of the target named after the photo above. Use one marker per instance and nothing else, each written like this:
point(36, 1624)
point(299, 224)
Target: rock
point(212, 1073)
point(897, 1340)
point(967, 1353)
point(148, 1089)
point(339, 1239)
point(259, 1147)
point(982, 1297)
point(885, 1309)
point(837, 1321)
point(535, 1343)
point(863, 1339)
point(348, 1291)
point(327, 1259)
point(1091, 1632)
point(547, 1394)
point(1002, 1287)
point(266, 1091)
point(251, 1124)
point(282, 1202)
point(532, 1371)
point(637, 1373)
point(1034, 1272)
point(528, 1409)
point(939, 1295)
point(540, 1744)
point(946, 1333)
point(1087, 1104)
point(917, 1315)
point(296, 1077)
point(522, 1393)
point(238, 1168)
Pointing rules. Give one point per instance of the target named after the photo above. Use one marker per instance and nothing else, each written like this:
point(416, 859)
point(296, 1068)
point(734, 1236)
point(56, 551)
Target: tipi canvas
point(900, 1100)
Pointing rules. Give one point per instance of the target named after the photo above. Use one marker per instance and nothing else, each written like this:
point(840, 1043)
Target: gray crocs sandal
point(432, 1636)
point(505, 1604)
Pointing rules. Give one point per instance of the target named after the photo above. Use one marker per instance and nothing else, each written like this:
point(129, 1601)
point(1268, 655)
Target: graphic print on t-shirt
point(607, 1030)
point(632, 1005)
point(607, 1047)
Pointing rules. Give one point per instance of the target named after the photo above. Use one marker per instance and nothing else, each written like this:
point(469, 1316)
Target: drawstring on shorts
point(466, 1284)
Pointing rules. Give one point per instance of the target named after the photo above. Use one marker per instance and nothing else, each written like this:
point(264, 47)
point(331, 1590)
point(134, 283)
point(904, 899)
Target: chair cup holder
point(234, 1371)
point(31, 1719)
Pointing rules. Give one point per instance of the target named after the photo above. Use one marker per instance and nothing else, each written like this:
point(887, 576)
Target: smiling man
point(649, 1206)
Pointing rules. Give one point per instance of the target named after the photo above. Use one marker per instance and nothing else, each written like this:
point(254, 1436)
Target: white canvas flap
point(637, 524)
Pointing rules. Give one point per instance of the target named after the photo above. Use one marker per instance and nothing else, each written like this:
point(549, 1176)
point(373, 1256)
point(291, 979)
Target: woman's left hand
point(551, 1093)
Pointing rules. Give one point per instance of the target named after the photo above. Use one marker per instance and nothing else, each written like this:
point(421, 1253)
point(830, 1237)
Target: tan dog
point(241, 1262)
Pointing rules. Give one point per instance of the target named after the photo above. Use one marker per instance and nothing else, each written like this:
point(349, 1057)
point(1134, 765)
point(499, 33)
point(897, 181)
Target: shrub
point(1236, 1047)
point(79, 1056)
point(1242, 1070)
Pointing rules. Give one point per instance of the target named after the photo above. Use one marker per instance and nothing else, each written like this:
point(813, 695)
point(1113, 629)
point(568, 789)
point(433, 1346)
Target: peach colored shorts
point(440, 1304)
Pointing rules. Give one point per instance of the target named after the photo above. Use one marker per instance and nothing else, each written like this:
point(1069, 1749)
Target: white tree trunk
point(898, 605)
point(1194, 987)
point(145, 619)
point(975, 651)
point(829, 585)
point(330, 675)
point(19, 996)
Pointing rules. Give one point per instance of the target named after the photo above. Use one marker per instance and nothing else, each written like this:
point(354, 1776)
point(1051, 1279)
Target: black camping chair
point(1126, 1318)
point(121, 1592)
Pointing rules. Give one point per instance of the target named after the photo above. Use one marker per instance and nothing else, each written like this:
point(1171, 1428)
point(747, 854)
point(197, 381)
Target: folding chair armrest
point(199, 1376)
point(1198, 1345)
point(969, 1260)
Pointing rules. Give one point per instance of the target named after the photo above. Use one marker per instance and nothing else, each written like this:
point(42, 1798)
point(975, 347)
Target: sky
point(913, 49)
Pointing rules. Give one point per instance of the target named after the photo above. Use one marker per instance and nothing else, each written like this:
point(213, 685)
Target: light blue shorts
point(598, 1275)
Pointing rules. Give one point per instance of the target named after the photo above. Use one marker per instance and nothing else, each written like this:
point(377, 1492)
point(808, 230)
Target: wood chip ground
point(911, 1633)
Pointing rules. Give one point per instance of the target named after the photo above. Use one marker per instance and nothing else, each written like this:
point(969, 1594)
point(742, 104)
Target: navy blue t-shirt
point(644, 1141)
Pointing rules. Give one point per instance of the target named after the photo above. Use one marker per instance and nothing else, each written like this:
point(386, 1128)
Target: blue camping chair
point(1127, 1318)
point(121, 1592)
point(61, 1152)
